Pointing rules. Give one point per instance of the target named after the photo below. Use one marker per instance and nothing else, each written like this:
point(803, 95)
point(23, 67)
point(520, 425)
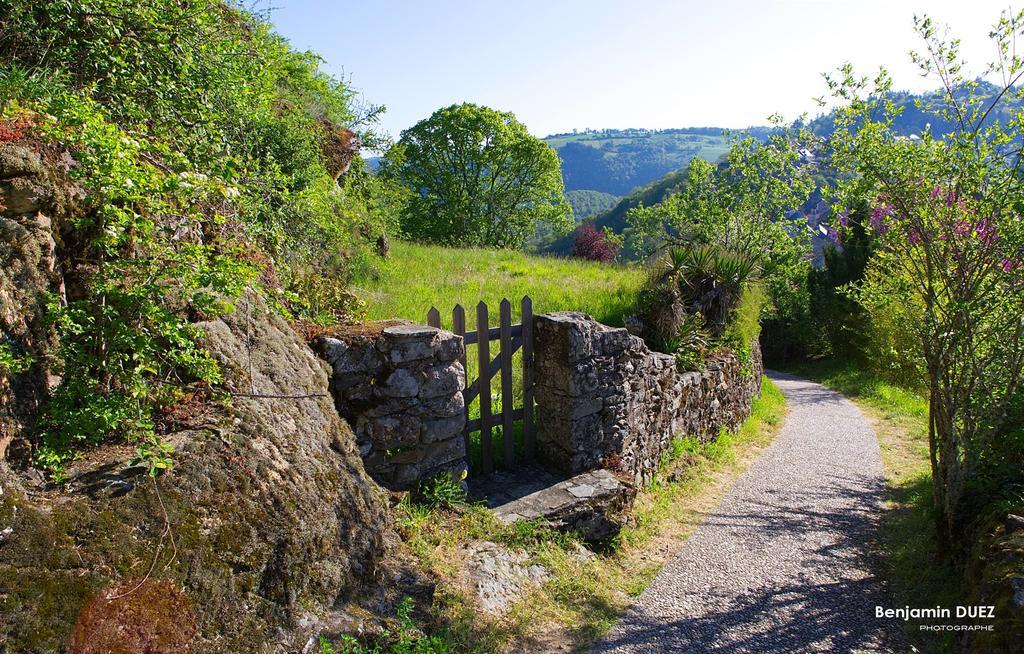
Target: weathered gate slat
point(493, 369)
point(529, 436)
point(474, 424)
point(512, 338)
point(483, 351)
point(493, 334)
point(459, 328)
point(508, 437)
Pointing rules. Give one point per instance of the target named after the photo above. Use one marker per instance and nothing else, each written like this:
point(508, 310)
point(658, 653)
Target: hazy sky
point(564, 64)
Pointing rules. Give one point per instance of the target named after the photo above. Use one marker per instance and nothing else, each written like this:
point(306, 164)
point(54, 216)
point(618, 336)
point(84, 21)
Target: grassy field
point(584, 595)
point(417, 277)
point(918, 576)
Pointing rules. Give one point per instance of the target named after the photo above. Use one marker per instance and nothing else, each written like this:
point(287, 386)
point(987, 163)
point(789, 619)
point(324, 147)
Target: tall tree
point(947, 214)
point(478, 178)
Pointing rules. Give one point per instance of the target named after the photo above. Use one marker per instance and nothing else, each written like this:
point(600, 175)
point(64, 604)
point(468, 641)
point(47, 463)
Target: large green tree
point(478, 178)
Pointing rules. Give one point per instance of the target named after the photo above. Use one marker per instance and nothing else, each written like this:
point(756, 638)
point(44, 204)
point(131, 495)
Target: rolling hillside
point(615, 217)
point(620, 161)
point(587, 204)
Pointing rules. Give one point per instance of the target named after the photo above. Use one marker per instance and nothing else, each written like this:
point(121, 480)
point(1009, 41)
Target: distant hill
point(618, 161)
point(586, 204)
point(915, 119)
point(616, 147)
point(615, 217)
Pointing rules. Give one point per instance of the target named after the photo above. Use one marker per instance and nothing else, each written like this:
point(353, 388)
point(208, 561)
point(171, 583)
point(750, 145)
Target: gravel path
point(782, 564)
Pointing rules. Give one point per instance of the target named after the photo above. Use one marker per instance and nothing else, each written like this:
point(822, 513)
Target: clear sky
point(564, 64)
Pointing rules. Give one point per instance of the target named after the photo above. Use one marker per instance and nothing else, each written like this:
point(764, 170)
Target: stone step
point(593, 504)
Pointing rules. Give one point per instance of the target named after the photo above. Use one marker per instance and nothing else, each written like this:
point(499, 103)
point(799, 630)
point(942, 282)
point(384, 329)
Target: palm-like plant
point(693, 289)
point(711, 279)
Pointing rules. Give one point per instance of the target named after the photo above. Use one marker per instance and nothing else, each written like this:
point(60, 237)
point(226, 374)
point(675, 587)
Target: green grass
point(417, 277)
point(918, 575)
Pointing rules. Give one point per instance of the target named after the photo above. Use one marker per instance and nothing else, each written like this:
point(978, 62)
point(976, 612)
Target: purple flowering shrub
point(594, 244)
point(946, 215)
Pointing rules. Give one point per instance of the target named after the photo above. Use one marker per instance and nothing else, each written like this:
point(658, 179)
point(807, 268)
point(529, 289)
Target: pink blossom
point(879, 216)
point(986, 231)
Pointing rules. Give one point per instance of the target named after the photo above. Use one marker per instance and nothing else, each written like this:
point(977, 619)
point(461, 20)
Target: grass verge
point(586, 592)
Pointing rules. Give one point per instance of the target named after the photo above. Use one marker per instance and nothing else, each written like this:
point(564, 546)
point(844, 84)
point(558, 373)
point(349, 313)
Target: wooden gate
point(511, 338)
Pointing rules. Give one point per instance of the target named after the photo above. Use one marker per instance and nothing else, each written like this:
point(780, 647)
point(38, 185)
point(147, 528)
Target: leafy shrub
point(837, 324)
point(321, 299)
point(692, 289)
point(895, 318)
point(690, 342)
point(660, 313)
point(11, 362)
point(590, 243)
point(744, 324)
point(207, 150)
point(711, 279)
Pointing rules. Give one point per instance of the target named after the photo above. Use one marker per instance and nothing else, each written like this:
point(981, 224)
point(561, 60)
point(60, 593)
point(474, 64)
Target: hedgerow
point(205, 151)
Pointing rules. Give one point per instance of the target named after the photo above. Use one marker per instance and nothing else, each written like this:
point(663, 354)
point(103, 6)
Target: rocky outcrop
point(265, 522)
point(32, 199)
point(339, 146)
point(401, 385)
point(500, 576)
point(605, 399)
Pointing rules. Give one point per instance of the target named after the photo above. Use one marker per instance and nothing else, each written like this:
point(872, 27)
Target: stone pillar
point(603, 398)
point(400, 386)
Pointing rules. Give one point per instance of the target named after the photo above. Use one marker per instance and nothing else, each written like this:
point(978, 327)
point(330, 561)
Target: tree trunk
point(949, 480)
point(938, 487)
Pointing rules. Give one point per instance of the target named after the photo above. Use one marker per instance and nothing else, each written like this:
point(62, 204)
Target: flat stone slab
point(411, 330)
point(593, 504)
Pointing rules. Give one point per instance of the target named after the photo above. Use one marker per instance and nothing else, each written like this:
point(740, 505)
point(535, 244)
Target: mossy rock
point(272, 520)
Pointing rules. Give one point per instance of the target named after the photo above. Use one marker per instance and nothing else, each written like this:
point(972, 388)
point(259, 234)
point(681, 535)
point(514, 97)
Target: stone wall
point(605, 399)
point(400, 386)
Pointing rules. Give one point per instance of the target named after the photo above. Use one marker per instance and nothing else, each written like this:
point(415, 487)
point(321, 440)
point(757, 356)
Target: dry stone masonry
point(605, 399)
point(400, 386)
